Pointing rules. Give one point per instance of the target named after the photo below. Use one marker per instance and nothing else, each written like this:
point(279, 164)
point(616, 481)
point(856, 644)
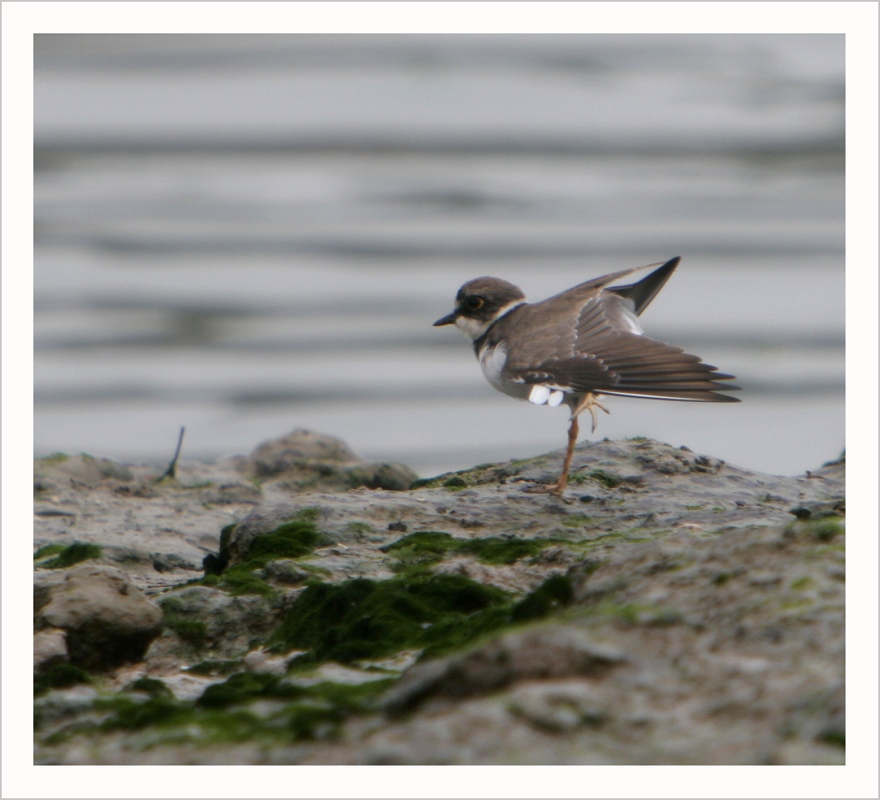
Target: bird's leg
point(573, 431)
point(559, 487)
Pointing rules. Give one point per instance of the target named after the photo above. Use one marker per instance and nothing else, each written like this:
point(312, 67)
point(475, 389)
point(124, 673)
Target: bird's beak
point(449, 319)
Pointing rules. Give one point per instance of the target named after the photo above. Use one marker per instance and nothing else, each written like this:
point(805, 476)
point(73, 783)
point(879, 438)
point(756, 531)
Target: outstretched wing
point(591, 341)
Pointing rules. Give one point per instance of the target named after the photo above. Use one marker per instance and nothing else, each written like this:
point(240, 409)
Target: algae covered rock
point(670, 609)
point(265, 534)
point(107, 620)
point(203, 617)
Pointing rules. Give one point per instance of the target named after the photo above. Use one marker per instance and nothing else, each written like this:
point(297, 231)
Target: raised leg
point(591, 403)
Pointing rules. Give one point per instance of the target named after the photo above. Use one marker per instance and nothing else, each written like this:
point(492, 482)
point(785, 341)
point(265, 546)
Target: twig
point(171, 472)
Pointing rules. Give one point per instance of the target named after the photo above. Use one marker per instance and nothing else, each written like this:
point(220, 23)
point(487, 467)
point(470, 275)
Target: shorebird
point(578, 346)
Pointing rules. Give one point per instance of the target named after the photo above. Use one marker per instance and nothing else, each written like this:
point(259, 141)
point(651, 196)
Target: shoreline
point(670, 609)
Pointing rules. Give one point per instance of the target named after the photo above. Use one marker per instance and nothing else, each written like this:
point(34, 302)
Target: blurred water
point(247, 234)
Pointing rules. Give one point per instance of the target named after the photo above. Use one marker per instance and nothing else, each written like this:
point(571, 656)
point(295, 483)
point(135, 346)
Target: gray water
point(249, 234)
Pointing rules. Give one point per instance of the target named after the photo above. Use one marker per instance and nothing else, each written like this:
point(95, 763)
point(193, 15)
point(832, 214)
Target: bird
point(579, 346)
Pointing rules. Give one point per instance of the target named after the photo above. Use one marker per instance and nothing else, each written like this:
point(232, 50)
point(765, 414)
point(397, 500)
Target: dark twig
point(171, 472)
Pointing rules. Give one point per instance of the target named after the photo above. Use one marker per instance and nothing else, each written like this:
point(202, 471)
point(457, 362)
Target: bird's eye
point(474, 303)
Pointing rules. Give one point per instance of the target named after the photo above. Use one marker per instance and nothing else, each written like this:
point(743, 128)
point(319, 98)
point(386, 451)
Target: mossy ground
point(295, 538)
point(223, 713)
point(66, 555)
point(363, 619)
point(59, 676)
point(429, 547)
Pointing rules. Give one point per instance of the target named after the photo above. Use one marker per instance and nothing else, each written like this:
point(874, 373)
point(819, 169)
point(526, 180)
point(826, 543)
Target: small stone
point(400, 527)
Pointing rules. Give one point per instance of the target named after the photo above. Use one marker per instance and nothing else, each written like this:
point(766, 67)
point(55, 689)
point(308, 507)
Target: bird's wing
point(592, 343)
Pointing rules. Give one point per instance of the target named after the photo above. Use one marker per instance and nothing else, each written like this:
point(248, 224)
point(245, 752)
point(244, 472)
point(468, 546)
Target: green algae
point(608, 480)
point(48, 550)
point(365, 619)
point(428, 547)
point(637, 614)
point(225, 711)
point(552, 595)
point(244, 686)
point(295, 538)
point(149, 686)
point(578, 520)
point(192, 631)
point(59, 676)
point(73, 553)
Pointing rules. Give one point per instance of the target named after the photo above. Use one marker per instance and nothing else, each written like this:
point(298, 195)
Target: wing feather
point(602, 350)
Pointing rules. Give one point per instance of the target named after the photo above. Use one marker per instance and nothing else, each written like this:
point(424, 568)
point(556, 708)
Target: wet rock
point(281, 531)
point(202, 618)
point(107, 621)
point(300, 450)
point(728, 608)
point(82, 469)
point(539, 652)
point(236, 493)
point(50, 648)
point(820, 509)
point(559, 706)
point(308, 461)
point(393, 477)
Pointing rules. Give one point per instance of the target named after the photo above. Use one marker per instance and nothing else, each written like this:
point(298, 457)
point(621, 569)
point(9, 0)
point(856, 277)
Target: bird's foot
point(592, 409)
point(544, 488)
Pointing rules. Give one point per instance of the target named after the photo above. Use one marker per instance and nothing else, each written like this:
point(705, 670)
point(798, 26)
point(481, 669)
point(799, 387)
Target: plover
point(578, 346)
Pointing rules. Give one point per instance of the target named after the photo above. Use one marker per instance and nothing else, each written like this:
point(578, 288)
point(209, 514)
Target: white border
point(858, 20)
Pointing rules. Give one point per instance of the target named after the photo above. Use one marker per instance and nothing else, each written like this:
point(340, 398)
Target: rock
point(260, 661)
point(300, 449)
point(106, 619)
point(559, 706)
point(283, 531)
point(286, 571)
point(539, 652)
point(723, 587)
point(308, 461)
point(393, 477)
point(82, 469)
point(204, 618)
point(50, 648)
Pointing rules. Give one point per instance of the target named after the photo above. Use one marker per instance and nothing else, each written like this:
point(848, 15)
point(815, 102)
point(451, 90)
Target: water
point(244, 235)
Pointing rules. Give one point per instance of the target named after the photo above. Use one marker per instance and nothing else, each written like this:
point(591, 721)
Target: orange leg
point(590, 402)
point(573, 431)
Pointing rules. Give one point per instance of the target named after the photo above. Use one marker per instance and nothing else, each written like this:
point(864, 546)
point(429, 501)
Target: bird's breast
point(493, 359)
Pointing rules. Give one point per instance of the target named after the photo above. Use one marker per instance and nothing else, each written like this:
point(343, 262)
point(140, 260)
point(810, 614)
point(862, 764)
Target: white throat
point(474, 329)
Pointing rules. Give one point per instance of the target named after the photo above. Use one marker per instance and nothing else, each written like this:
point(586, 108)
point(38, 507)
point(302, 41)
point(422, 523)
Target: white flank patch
point(539, 394)
point(492, 362)
point(556, 397)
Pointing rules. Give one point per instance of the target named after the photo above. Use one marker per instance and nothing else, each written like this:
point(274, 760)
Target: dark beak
point(449, 319)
